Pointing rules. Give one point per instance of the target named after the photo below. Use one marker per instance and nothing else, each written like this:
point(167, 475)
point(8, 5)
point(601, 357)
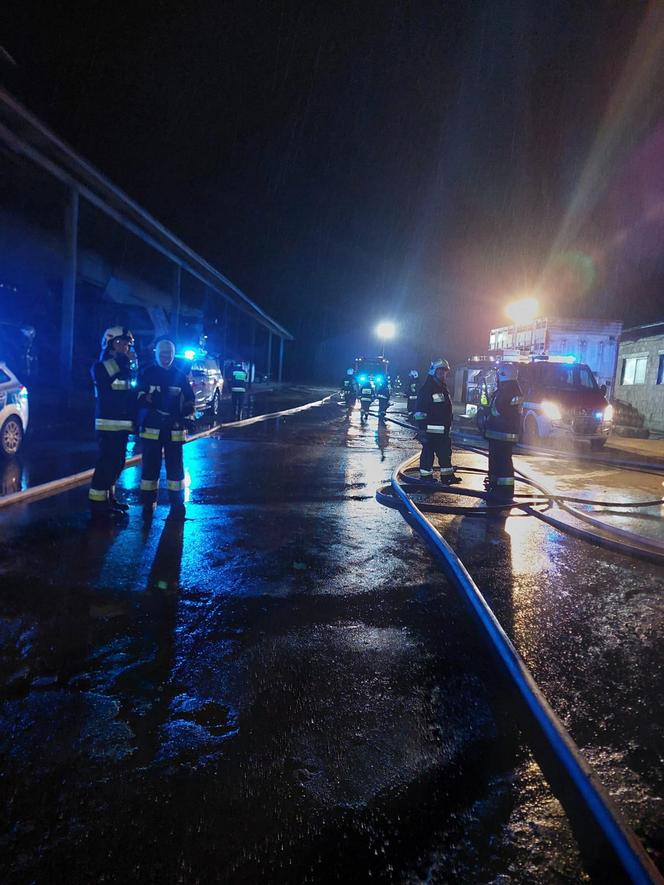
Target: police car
point(561, 400)
point(206, 379)
point(13, 412)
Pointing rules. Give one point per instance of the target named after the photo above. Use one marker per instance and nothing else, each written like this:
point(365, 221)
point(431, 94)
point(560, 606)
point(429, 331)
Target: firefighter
point(433, 414)
point(367, 395)
point(383, 394)
point(239, 381)
point(349, 388)
point(166, 401)
point(411, 390)
point(502, 431)
point(114, 418)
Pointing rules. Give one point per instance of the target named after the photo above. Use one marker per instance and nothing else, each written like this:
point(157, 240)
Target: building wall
point(646, 397)
point(590, 341)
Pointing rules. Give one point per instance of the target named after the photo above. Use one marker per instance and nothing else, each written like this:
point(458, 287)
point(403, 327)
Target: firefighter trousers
point(237, 398)
point(152, 452)
point(110, 462)
point(501, 468)
point(440, 446)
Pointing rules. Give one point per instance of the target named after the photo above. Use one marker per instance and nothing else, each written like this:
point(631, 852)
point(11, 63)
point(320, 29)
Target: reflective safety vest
point(239, 381)
point(115, 408)
point(504, 419)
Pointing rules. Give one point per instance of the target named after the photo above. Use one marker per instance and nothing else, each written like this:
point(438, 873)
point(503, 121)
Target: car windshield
point(562, 376)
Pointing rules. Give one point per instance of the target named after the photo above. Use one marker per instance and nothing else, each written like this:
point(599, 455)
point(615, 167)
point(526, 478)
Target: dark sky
point(347, 162)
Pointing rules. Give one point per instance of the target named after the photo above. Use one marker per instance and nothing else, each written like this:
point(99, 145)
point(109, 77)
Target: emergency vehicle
point(561, 400)
point(13, 412)
point(376, 369)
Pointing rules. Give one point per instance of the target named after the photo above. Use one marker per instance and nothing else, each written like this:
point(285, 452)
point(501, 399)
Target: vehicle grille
point(584, 425)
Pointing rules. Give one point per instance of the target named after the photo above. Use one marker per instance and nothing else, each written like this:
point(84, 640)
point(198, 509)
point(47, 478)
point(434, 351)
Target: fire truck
point(376, 369)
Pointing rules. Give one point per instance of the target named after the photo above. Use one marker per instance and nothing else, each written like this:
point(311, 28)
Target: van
point(561, 400)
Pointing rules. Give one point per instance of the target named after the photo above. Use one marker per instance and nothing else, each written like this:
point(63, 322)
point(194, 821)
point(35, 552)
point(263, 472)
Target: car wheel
point(215, 408)
point(597, 444)
point(11, 436)
point(531, 435)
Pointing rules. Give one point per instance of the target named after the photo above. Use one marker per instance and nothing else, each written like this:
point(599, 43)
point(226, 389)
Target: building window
point(634, 370)
point(660, 369)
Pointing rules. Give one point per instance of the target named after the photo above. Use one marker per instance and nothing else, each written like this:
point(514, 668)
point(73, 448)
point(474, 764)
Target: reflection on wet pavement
point(284, 687)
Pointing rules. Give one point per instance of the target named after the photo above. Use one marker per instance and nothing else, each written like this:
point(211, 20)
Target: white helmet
point(507, 372)
point(414, 373)
point(350, 372)
point(438, 364)
point(114, 332)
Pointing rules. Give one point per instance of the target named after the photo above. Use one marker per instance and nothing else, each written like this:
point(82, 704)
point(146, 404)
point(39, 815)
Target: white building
point(594, 342)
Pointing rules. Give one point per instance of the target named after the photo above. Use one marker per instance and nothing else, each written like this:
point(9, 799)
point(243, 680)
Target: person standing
point(433, 415)
point(239, 382)
point(367, 395)
point(411, 390)
point(502, 431)
point(349, 388)
point(165, 400)
point(383, 395)
point(114, 419)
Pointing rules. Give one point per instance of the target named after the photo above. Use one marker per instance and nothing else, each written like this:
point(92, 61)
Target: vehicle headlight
point(608, 413)
point(551, 410)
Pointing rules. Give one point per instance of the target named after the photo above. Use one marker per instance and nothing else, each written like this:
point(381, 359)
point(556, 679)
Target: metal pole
point(281, 359)
point(177, 296)
point(269, 355)
point(69, 289)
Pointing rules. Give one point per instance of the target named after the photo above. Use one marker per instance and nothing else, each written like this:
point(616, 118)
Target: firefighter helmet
point(114, 332)
point(350, 372)
point(414, 373)
point(438, 364)
point(507, 372)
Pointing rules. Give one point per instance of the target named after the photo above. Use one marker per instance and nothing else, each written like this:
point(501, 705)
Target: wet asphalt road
point(51, 452)
point(285, 688)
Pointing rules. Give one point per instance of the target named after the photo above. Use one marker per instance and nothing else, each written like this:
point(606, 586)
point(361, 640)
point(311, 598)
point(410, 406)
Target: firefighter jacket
point(504, 419)
point(411, 390)
point(239, 381)
point(116, 399)
point(433, 411)
point(348, 385)
point(383, 394)
point(367, 392)
point(171, 400)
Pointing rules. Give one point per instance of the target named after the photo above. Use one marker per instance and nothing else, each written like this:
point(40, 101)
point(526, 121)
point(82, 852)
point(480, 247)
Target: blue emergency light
point(362, 379)
point(379, 379)
point(189, 354)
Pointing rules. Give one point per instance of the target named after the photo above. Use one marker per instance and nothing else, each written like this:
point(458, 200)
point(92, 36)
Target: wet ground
point(285, 688)
point(53, 451)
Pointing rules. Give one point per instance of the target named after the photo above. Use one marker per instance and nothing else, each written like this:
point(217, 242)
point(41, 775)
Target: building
point(640, 373)
point(77, 254)
point(594, 342)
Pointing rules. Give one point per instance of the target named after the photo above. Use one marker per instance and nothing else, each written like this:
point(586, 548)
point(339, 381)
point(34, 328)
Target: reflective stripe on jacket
point(434, 407)
point(504, 419)
point(115, 406)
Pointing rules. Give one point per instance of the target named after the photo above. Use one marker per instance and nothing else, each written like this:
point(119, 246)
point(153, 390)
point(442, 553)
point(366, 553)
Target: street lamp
point(385, 331)
point(522, 312)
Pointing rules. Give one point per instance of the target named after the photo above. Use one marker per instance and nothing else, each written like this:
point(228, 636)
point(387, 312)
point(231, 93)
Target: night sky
point(344, 163)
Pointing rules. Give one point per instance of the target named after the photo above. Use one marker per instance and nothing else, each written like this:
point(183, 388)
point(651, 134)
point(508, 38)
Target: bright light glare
point(386, 330)
point(551, 410)
point(608, 413)
point(189, 354)
point(523, 311)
